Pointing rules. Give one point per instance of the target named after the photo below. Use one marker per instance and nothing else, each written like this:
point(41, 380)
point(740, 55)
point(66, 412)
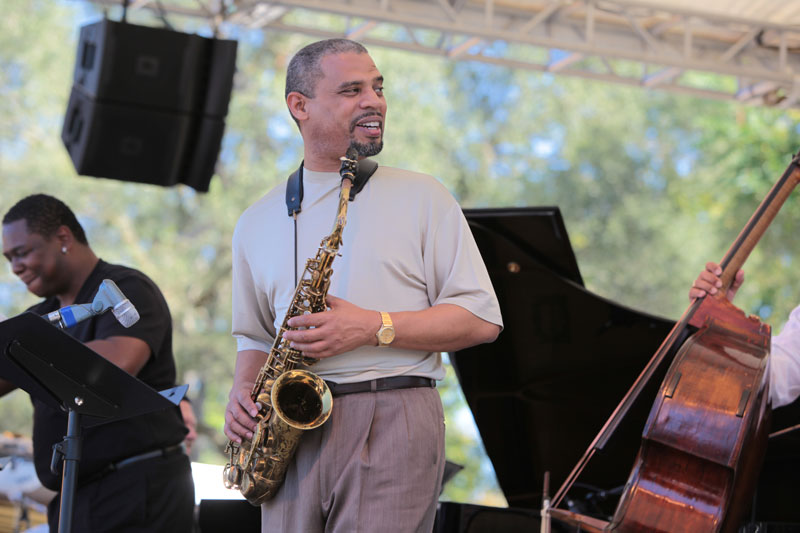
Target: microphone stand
point(70, 451)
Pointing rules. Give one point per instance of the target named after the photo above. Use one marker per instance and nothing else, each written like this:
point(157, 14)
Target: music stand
point(62, 372)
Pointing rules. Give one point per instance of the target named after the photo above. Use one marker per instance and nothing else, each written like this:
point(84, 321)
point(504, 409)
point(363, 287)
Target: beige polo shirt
point(406, 247)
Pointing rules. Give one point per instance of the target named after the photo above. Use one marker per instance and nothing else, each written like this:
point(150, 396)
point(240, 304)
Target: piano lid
point(544, 389)
point(537, 233)
point(566, 357)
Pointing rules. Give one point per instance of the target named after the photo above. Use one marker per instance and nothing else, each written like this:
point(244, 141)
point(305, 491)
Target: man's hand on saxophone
point(241, 411)
point(344, 327)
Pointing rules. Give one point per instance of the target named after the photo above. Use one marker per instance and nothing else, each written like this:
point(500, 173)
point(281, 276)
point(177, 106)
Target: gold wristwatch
point(386, 333)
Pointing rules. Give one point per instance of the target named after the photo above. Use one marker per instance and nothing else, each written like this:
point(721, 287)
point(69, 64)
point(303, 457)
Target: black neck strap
point(294, 186)
point(294, 194)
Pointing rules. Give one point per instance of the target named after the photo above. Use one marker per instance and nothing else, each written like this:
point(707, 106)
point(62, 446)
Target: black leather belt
point(133, 459)
point(375, 385)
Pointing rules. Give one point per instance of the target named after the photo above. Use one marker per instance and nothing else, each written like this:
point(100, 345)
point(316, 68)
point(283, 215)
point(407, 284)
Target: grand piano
point(565, 359)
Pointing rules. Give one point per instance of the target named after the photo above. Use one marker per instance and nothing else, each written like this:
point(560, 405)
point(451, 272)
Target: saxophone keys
point(264, 399)
point(232, 476)
point(259, 465)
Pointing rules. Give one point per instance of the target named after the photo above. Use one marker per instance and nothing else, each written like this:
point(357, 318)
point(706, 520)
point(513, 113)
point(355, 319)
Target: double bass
point(704, 440)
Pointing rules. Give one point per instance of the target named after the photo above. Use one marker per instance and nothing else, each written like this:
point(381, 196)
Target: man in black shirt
point(133, 474)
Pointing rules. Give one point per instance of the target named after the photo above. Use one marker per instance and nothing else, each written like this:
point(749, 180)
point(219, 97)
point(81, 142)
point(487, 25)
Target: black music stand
point(65, 374)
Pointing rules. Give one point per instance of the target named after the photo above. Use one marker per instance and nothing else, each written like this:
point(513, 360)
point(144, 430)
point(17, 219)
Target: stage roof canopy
point(742, 50)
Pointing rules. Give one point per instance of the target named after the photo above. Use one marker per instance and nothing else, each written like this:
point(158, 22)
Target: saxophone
point(291, 400)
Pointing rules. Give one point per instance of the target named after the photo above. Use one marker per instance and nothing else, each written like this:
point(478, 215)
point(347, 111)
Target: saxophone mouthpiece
point(349, 164)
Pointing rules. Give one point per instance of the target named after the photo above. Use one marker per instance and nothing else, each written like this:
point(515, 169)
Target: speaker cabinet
point(226, 516)
point(148, 105)
point(124, 142)
point(454, 517)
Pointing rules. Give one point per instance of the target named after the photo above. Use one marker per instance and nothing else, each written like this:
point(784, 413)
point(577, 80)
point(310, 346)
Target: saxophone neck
point(334, 240)
point(344, 198)
point(344, 192)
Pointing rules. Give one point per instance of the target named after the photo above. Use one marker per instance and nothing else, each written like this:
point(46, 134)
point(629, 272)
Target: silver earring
point(63, 249)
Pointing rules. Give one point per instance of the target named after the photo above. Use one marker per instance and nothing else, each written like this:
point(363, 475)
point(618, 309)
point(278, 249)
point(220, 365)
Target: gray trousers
point(375, 465)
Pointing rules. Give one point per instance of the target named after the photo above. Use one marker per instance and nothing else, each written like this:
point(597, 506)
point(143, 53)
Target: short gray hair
point(304, 71)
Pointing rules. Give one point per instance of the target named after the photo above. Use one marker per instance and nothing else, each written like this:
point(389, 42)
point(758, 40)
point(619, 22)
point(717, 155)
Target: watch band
point(385, 334)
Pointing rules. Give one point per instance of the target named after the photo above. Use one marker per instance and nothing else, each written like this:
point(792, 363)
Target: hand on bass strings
point(708, 282)
point(342, 328)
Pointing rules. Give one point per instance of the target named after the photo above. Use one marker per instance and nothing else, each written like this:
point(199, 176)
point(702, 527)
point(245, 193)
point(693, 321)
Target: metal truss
point(640, 43)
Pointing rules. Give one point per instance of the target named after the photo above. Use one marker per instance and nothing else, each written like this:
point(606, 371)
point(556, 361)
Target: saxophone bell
point(302, 399)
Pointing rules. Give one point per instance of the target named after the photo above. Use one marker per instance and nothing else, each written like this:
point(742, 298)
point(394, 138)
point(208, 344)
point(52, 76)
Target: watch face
point(386, 335)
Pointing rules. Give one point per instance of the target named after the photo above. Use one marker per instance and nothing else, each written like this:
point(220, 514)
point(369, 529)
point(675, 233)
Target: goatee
point(367, 149)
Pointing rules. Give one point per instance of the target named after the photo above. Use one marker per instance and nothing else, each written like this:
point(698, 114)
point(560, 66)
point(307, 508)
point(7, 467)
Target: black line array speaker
point(148, 105)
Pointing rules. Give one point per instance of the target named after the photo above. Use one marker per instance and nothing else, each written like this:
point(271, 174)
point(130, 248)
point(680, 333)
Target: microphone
point(108, 297)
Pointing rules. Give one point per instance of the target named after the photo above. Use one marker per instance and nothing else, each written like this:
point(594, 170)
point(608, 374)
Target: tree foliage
point(651, 186)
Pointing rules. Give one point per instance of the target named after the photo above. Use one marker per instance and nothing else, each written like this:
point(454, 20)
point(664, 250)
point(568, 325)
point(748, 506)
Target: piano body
point(544, 389)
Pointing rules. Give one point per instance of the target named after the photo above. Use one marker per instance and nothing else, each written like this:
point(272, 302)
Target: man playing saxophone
point(409, 284)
